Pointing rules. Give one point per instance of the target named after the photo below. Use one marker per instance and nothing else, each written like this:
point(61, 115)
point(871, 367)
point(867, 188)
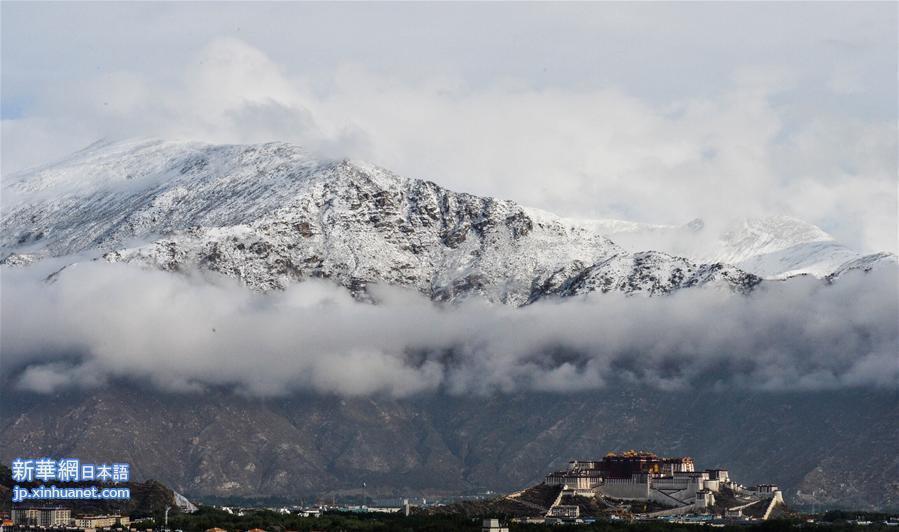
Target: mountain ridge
point(272, 214)
point(222, 444)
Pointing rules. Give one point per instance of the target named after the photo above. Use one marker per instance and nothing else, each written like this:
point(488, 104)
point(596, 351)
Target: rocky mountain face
point(771, 247)
point(271, 215)
point(823, 448)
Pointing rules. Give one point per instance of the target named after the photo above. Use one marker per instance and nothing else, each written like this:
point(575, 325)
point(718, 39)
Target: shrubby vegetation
point(271, 521)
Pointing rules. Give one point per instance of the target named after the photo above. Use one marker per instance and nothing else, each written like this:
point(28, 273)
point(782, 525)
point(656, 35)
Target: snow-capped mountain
point(273, 214)
point(772, 247)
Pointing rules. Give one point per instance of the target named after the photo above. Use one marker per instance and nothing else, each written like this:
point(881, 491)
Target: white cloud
point(607, 131)
point(99, 322)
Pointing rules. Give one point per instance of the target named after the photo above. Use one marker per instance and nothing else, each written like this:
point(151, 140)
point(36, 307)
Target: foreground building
point(644, 476)
point(47, 517)
point(58, 517)
point(101, 521)
point(493, 525)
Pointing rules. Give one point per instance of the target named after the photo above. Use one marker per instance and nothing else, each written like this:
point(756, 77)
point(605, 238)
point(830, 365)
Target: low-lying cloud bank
point(99, 322)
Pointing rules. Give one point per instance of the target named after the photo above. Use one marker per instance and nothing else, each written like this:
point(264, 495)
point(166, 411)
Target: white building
point(721, 475)
point(644, 476)
point(492, 525)
point(44, 517)
point(101, 521)
point(565, 511)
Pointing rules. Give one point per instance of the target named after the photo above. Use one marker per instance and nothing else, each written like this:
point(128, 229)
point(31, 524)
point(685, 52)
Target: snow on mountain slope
point(865, 263)
point(358, 224)
point(273, 214)
point(773, 247)
point(115, 193)
point(818, 258)
point(758, 236)
point(648, 272)
point(780, 246)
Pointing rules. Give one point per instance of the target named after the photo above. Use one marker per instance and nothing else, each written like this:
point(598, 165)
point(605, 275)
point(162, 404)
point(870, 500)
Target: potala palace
point(673, 483)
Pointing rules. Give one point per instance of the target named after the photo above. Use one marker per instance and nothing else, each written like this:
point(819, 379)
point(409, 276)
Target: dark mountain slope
point(830, 448)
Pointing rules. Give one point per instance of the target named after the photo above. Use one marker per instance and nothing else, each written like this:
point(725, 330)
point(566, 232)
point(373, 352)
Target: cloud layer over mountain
point(98, 322)
point(641, 112)
point(584, 110)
